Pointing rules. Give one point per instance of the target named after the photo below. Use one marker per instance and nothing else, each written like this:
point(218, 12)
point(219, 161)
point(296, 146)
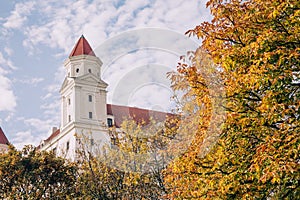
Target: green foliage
point(31, 174)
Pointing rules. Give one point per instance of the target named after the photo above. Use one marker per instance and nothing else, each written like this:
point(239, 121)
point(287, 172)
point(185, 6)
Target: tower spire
point(82, 47)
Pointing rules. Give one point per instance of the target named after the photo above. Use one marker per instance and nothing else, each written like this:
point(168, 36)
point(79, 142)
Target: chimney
point(54, 129)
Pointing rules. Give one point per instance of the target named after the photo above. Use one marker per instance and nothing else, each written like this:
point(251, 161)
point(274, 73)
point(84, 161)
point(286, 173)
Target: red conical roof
point(82, 48)
point(3, 139)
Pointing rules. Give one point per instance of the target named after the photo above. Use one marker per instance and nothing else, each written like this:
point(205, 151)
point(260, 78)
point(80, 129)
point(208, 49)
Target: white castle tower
point(83, 103)
point(85, 114)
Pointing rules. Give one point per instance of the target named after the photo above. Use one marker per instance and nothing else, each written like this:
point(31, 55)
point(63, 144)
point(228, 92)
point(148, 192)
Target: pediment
point(91, 78)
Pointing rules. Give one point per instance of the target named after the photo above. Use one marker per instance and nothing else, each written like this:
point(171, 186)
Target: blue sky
point(138, 42)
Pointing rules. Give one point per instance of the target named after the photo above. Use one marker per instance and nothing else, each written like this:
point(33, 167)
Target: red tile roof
point(82, 47)
point(3, 139)
point(53, 135)
point(137, 114)
point(122, 112)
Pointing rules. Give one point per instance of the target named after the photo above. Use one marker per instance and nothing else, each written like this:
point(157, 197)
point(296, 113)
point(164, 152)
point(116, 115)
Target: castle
point(84, 108)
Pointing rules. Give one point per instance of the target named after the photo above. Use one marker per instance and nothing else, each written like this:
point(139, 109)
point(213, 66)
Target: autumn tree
point(255, 44)
point(31, 174)
point(128, 168)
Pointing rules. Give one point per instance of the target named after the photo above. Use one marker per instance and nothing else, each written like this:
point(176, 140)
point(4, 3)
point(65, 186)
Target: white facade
point(83, 108)
point(85, 114)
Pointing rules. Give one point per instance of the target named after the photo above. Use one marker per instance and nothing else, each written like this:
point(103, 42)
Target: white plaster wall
point(81, 126)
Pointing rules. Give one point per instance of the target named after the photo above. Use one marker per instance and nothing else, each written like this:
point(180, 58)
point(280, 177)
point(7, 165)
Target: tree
point(256, 45)
point(31, 174)
point(130, 168)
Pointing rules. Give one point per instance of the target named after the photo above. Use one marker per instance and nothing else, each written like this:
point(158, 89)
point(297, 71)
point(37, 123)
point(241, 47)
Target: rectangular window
point(92, 142)
point(69, 101)
point(90, 115)
point(109, 122)
point(69, 118)
point(90, 98)
point(68, 145)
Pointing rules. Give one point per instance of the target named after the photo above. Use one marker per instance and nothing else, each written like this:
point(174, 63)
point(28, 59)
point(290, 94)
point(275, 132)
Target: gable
point(91, 78)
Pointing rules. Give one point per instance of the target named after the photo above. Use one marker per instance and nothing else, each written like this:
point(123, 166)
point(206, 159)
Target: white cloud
point(26, 138)
point(8, 51)
point(7, 62)
point(37, 131)
point(65, 21)
point(58, 24)
point(18, 16)
point(39, 125)
point(8, 100)
point(9, 116)
point(33, 81)
point(48, 95)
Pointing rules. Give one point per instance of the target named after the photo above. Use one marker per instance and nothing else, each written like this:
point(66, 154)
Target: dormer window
point(77, 70)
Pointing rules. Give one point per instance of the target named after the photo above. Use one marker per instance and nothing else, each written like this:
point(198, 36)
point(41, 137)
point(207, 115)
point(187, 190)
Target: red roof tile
point(137, 114)
point(122, 112)
point(53, 135)
point(3, 139)
point(82, 47)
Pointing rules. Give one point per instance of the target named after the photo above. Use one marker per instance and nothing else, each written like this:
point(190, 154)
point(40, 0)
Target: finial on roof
point(82, 47)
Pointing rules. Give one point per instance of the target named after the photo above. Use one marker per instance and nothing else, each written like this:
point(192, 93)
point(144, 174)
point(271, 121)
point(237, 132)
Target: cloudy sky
point(138, 42)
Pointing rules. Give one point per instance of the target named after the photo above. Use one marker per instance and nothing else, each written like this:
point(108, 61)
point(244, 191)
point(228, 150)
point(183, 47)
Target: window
point(109, 122)
point(69, 118)
point(68, 145)
point(77, 70)
point(90, 115)
point(54, 150)
point(69, 101)
point(90, 98)
point(92, 142)
point(90, 71)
